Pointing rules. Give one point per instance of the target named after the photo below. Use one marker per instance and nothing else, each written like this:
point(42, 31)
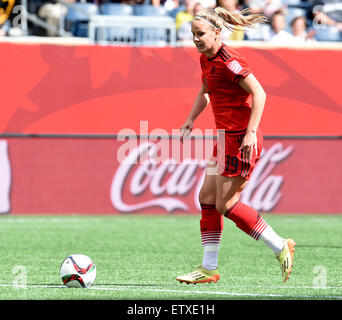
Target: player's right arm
point(201, 101)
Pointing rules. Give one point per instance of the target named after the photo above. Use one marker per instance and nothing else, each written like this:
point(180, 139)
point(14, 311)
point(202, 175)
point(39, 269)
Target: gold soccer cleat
point(200, 275)
point(285, 258)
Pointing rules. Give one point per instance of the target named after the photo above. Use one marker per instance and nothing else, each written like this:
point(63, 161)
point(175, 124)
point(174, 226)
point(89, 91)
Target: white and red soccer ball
point(78, 271)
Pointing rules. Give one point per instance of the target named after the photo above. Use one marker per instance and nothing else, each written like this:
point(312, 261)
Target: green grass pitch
point(138, 257)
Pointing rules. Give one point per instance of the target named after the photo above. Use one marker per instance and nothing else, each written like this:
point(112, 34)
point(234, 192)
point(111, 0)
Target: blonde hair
point(220, 17)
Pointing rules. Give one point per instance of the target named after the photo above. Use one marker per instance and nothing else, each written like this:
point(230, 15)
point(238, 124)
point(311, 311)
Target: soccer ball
point(78, 271)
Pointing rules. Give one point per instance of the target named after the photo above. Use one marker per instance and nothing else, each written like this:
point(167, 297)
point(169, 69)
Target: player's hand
point(186, 129)
point(249, 144)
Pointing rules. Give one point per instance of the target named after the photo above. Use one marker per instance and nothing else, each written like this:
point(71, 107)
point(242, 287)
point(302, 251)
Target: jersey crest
point(234, 67)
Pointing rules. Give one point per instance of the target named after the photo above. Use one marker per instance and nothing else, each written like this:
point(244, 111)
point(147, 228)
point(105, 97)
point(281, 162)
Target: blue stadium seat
point(149, 10)
point(81, 11)
point(119, 34)
point(79, 15)
point(151, 36)
point(326, 33)
point(116, 9)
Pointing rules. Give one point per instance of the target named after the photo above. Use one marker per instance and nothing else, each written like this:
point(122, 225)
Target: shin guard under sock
point(211, 225)
point(211, 233)
point(246, 219)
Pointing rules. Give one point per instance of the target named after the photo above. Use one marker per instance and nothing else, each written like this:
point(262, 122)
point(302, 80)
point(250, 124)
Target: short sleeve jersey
point(230, 103)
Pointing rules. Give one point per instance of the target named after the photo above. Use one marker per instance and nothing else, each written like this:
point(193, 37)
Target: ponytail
point(242, 18)
point(220, 17)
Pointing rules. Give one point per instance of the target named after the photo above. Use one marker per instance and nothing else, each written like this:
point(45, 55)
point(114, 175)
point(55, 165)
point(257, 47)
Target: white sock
point(272, 240)
point(210, 257)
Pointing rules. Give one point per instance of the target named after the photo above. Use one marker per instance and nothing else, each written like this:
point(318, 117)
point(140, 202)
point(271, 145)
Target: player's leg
point(247, 219)
point(228, 192)
point(211, 222)
point(211, 225)
point(234, 171)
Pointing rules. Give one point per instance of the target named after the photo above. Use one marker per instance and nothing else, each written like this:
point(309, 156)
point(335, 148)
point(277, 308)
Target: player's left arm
point(252, 86)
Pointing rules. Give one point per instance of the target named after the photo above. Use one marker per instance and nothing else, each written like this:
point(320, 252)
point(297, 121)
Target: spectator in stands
point(184, 19)
point(52, 11)
point(278, 34)
point(299, 31)
point(327, 12)
point(265, 7)
point(4, 28)
point(231, 6)
point(208, 3)
point(198, 7)
point(167, 4)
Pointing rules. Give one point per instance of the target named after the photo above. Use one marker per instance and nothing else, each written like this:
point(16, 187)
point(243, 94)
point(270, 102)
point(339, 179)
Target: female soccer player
point(237, 100)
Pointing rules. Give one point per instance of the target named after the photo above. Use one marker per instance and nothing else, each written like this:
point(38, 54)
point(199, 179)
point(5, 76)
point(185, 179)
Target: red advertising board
point(98, 90)
point(107, 176)
point(104, 89)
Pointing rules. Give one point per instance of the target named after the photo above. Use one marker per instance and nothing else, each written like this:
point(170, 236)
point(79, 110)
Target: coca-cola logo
point(263, 191)
point(149, 175)
point(166, 184)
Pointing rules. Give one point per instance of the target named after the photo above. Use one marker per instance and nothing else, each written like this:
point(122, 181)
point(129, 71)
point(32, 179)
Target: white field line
point(45, 219)
point(144, 289)
point(223, 293)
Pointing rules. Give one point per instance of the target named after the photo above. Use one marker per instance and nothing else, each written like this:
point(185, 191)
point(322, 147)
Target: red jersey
point(220, 75)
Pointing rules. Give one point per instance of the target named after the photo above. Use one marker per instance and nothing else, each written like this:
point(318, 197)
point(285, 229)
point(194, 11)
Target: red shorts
point(231, 161)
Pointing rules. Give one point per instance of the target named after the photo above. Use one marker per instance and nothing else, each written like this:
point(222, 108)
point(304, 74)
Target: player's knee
point(222, 206)
point(206, 197)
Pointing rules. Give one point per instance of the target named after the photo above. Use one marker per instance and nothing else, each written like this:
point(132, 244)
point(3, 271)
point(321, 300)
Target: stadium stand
point(144, 23)
point(328, 34)
point(149, 10)
point(79, 14)
point(115, 34)
point(151, 35)
point(294, 12)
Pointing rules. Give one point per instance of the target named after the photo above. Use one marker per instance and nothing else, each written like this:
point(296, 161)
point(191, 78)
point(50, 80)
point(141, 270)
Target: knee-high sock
point(211, 234)
point(249, 221)
point(246, 219)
